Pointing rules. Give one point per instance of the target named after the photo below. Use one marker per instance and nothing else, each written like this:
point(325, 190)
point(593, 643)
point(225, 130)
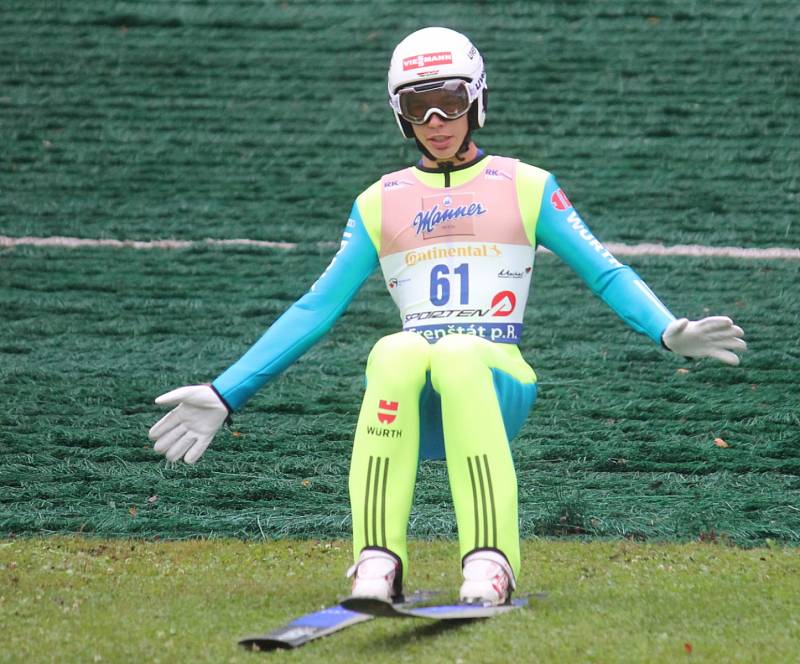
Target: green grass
point(93, 600)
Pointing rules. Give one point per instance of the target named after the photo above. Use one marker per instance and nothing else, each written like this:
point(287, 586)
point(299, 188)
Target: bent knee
point(405, 352)
point(456, 358)
point(457, 349)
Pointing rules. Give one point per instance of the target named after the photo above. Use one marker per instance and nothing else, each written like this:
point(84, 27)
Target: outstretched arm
point(306, 321)
point(561, 229)
point(200, 410)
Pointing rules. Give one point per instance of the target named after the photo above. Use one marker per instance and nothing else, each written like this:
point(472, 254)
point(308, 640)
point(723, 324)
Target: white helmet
point(437, 54)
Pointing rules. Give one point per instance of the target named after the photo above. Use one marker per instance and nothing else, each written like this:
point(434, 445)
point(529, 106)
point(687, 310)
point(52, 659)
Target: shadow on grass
point(426, 630)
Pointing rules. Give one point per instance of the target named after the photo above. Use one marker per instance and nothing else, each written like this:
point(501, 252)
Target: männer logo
point(427, 220)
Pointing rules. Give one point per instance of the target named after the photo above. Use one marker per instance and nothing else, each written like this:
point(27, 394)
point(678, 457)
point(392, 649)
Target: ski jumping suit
point(457, 252)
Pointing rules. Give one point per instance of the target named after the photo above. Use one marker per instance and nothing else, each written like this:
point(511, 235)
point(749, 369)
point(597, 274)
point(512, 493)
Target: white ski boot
point(488, 578)
point(375, 575)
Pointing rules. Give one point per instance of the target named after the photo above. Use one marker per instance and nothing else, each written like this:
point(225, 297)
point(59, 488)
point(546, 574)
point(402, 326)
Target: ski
point(379, 608)
point(306, 628)
point(316, 625)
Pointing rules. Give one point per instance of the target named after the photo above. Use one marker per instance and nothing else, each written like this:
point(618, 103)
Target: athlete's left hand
point(715, 336)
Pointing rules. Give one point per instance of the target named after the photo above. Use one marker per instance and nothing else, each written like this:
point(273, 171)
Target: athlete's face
point(441, 137)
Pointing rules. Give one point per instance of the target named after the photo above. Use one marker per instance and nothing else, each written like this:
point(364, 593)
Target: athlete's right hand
point(714, 336)
point(187, 430)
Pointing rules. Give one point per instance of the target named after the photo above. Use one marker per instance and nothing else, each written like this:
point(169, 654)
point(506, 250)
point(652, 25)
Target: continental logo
point(467, 251)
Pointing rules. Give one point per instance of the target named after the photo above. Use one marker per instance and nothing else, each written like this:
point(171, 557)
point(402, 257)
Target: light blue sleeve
point(306, 321)
point(560, 229)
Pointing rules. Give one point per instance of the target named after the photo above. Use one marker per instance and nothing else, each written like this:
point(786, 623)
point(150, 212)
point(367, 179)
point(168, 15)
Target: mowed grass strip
point(93, 600)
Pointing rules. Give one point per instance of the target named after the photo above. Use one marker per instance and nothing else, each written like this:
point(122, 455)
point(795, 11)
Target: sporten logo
point(427, 60)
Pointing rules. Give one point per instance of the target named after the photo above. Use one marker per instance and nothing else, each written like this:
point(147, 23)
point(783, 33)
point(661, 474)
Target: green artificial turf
point(620, 443)
point(143, 119)
point(667, 122)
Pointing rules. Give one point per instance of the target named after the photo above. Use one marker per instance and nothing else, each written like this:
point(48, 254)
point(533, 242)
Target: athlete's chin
point(442, 153)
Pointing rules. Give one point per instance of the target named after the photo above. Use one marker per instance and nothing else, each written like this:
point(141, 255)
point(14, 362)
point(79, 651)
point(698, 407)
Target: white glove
point(715, 336)
point(188, 429)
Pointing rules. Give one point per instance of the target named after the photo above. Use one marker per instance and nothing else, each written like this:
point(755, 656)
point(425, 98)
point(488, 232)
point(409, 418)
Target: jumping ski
point(306, 628)
point(376, 607)
point(316, 625)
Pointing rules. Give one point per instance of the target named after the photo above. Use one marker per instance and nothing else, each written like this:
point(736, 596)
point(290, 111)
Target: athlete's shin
point(484, 488)
point(386, 446)
point(481, 471)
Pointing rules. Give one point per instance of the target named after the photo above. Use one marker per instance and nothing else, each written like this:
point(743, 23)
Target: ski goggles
point(450, 99)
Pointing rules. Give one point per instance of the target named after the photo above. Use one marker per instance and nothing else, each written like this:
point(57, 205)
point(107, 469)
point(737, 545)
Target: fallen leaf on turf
point(719, 442)
point(133, 511)
point(682, 371)
point(306, 482)
point(688, 648)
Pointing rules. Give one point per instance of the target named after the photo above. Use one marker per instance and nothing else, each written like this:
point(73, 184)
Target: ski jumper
point(457, 253)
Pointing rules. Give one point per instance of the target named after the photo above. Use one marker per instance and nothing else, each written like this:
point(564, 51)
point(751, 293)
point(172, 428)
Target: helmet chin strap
point(447, 163)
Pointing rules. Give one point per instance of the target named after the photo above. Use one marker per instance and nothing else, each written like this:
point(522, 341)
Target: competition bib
point(456, 260)
point(461, 288)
